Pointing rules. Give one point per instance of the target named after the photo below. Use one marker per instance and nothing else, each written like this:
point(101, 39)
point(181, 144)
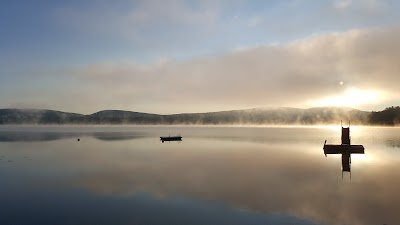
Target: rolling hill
point(267, 116)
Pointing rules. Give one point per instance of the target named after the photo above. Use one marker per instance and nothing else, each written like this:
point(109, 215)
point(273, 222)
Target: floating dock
point(345, 149)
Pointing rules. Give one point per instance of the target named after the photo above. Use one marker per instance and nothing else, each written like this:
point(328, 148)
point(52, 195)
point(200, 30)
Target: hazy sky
point(197, 56)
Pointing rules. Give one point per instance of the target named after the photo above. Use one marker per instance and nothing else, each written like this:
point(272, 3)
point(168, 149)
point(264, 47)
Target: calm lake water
point(216, 175)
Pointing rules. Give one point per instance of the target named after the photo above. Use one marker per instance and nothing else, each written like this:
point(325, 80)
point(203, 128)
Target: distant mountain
point(284, 116)
point(389, 116)
point(122, 117)
point(37, 116)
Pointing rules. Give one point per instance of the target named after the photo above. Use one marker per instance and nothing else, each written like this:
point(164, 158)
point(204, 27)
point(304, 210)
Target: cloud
point(267, 75)
point(365, 4)
point(341, 4)
point(136, 20)
point(204, 26)
point(298, 74)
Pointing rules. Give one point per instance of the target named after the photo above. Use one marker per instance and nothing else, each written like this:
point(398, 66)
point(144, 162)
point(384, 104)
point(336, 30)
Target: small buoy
point(79, 139)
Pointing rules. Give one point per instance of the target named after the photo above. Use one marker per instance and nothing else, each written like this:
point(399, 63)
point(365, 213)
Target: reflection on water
point(28, 136)
point(216, 176)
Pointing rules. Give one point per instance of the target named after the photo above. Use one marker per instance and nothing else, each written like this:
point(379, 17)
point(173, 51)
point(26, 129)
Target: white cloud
point(299, 74)
point(180, 28)
point(364, 5)
point(138, 18)
point(342, 4)
point(280, 75)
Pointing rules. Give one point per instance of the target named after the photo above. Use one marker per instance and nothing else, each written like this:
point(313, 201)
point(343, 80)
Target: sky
point(177, 56)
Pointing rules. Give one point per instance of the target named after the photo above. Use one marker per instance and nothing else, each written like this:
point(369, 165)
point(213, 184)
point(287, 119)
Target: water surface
point(216, 175)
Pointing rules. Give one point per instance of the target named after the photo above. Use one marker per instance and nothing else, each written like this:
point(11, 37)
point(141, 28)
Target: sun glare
point(351, 98)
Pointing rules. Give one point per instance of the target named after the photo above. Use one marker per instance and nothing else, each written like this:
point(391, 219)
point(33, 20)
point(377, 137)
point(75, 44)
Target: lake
point(216, 175)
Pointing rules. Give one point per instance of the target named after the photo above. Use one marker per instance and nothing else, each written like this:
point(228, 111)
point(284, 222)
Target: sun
point(351, 98)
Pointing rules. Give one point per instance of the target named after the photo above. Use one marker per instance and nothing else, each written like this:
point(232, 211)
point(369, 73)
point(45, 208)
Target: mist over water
point(216, 175)
point(255, 116)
